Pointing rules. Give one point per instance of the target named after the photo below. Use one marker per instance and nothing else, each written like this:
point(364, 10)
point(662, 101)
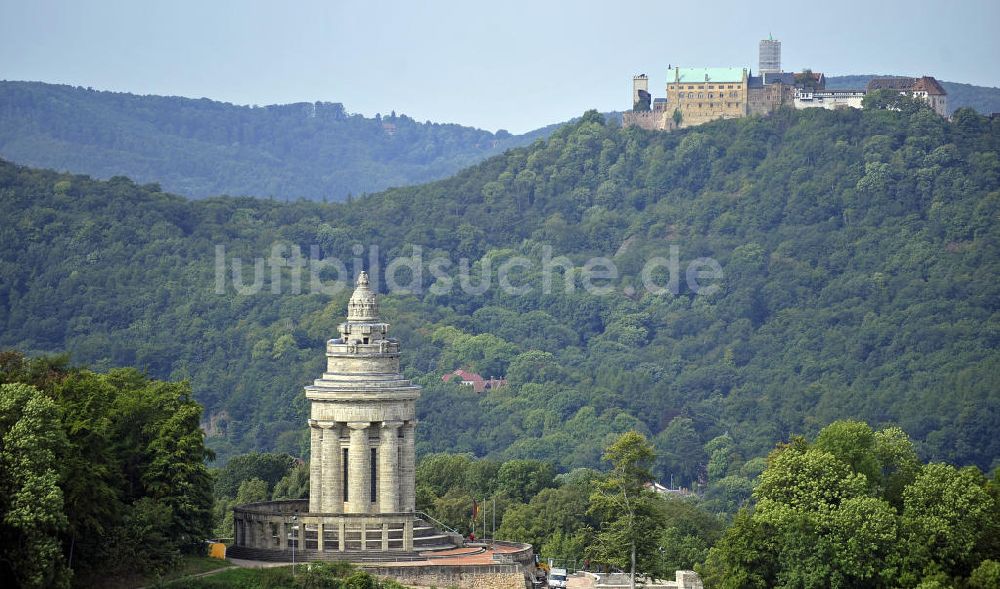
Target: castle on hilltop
point(699, 95)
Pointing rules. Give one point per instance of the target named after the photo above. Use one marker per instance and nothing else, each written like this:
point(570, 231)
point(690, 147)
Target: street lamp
point(295, 539)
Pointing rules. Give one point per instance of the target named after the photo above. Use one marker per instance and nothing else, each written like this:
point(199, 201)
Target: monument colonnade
point(363, 467)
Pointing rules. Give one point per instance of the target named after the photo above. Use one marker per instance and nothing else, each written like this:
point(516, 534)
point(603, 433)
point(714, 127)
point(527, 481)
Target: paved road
point(258, 564)
point(579, 581)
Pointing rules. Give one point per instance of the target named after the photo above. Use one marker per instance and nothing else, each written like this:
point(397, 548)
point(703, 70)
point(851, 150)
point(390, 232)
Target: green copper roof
point(692, 75)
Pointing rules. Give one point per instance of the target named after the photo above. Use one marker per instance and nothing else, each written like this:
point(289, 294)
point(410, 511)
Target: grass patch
point(187, 565)
point(307, 576)
point(194, 565)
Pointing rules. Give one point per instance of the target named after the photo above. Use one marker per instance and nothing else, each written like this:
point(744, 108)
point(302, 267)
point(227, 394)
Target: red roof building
point(477, 382)
point(925, 87)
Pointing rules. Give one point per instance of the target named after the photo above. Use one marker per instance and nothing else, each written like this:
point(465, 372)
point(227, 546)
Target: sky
point(495, 65)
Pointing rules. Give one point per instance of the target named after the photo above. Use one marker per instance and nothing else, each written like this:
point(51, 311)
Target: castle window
point(711, 94)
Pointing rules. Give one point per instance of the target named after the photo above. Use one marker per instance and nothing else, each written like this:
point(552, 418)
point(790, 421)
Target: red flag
point(475, 509)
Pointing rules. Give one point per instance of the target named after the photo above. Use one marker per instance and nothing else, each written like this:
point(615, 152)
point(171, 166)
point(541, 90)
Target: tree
point(523, 479)
point(852, 442)
point(686, 535)
point(177, 475)
point(898, 461)
point(819, 522)
point(534, 366)
point(555, 521)
point(744, 557)
point(269, 467)
point(294, 485)
point(443, 472)
point(679, 454)
point(945, 515)
point(986, 575)
point(31, 502)
point(627, 537)
point(886, 99)
point(129, 455)
point(807, 79)
point(252, 491)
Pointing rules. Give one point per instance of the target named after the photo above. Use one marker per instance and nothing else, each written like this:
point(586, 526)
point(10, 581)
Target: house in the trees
point(477, 382)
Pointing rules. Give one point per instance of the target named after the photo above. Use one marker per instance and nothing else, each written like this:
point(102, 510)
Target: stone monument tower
point(361, 473)
point(363, 419)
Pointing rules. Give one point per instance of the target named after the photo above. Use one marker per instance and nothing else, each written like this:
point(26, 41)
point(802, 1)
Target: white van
point(557, 578)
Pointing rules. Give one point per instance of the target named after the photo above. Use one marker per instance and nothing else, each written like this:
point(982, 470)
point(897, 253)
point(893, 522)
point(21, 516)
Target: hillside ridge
point(858, 251)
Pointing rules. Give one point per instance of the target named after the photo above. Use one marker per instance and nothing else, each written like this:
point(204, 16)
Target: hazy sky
point(513, 65)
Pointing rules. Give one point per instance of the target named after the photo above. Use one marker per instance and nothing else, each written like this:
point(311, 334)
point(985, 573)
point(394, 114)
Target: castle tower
point(769, 56)
point(640, 85)
point(362, 419)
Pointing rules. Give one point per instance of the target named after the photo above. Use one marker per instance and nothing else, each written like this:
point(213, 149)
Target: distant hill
point(316, 151)
point(860, 252)
point(983, 99)
point(203, 147)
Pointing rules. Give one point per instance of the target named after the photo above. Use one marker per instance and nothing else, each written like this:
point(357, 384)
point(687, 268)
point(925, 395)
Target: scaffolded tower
point(769, 55)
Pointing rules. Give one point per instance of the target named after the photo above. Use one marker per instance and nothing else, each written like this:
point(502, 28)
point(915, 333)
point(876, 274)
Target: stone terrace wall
point(463, 576)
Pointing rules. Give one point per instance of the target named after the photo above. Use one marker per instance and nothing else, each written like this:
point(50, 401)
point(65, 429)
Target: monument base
point(272, 530)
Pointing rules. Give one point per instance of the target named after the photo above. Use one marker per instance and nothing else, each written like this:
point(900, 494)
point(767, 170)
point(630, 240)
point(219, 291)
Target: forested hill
point(316, 151)
point(860, 252)
point(198, 148)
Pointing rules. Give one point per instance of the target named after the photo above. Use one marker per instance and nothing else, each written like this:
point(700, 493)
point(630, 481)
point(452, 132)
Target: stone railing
point(287, 525)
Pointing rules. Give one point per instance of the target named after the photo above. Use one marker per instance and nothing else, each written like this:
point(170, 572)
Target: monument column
point(315, 467)
point(359, 469)
point(388, 467)
point(408, 468)
point(332, 478)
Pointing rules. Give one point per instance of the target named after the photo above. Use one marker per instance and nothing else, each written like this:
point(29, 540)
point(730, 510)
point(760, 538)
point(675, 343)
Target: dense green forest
point(204, 148)
point(102, 476)
point(317, 151)
point(854, 507)
point(859, 251)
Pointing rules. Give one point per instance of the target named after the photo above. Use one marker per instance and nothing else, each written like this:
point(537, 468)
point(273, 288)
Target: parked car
point(557, 578)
